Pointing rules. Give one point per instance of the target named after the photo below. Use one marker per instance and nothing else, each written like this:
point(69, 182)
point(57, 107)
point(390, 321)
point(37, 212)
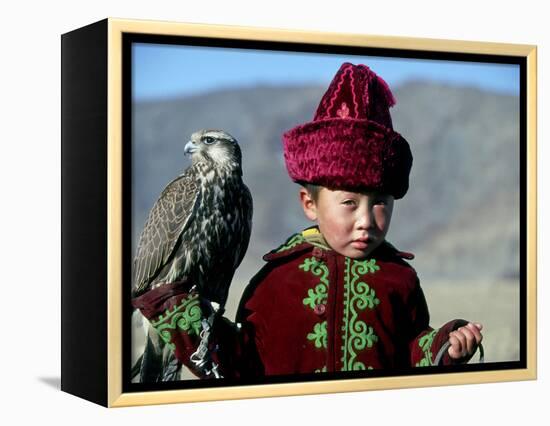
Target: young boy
point(336, 296)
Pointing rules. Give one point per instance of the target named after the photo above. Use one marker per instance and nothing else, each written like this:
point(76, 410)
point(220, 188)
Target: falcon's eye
point(208, 140)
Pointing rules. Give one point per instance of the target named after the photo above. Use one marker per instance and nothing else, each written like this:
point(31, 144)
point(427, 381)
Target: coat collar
point(296, 243)
point(310, 238)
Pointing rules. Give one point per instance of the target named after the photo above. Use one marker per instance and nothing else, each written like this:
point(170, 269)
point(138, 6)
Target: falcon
point(199, 228)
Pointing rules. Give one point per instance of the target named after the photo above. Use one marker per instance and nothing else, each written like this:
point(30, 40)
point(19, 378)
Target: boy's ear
point(308, 204)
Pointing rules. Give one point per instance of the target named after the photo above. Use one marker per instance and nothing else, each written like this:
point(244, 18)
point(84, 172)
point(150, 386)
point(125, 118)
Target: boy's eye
point(381, 202)
point(348, 202)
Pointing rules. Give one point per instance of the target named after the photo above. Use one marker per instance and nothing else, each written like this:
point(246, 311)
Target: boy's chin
point(358, 254)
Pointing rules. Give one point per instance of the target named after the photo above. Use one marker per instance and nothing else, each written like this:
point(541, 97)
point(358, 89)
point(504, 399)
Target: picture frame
point(100, 148)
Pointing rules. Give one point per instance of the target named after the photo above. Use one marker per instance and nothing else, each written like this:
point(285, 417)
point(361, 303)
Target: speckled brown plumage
point(200, 226)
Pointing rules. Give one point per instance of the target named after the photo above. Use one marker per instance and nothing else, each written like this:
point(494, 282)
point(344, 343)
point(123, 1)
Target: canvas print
point(307, 215)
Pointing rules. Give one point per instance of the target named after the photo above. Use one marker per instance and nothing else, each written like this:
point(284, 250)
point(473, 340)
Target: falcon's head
point(214, 146)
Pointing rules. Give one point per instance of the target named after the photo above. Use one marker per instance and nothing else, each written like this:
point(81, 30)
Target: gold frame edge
point(116, 27)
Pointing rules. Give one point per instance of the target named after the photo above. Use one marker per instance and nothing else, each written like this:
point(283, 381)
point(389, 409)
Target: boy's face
point(353, 223)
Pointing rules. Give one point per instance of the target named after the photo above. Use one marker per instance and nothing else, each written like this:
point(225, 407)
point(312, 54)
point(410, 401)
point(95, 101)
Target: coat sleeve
point(425, 341)
point(176, 312)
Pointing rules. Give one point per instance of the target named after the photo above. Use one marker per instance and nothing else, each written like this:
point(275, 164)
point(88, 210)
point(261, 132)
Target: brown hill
point(460, 217)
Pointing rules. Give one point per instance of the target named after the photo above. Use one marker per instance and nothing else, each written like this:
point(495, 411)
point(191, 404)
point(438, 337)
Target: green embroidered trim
point(186, 316)
point(291, 243)
point(364, 266)
point(357, 335)
point(319, 335)
point(425, 344)
point(318, 294)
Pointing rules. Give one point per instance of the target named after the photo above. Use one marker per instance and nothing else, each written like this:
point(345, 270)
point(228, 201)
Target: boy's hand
point(464, 341)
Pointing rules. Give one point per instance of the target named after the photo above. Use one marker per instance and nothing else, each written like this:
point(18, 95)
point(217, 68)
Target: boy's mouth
point(361, 243)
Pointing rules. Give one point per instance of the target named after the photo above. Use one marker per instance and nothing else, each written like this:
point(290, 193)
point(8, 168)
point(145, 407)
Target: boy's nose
point(365, 220)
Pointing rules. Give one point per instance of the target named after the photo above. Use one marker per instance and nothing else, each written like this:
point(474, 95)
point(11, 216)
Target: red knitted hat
point(351, 144)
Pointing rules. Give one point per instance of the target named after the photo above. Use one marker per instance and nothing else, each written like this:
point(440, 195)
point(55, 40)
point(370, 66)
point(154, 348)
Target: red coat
point(310, 310)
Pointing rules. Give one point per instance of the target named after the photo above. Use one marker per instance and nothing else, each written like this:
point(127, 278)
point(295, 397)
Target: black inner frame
point(127, 256)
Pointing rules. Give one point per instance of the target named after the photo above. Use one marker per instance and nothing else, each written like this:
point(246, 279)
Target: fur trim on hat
point(349, 154)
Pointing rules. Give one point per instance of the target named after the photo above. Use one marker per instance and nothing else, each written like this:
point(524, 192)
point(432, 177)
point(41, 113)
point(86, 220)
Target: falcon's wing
point(248, 205)
point(167, 220)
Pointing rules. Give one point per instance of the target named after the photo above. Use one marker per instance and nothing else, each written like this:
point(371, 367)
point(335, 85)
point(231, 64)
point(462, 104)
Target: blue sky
point(167, 71)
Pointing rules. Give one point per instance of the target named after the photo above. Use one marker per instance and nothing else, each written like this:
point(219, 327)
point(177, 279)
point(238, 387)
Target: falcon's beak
point(190, 148)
